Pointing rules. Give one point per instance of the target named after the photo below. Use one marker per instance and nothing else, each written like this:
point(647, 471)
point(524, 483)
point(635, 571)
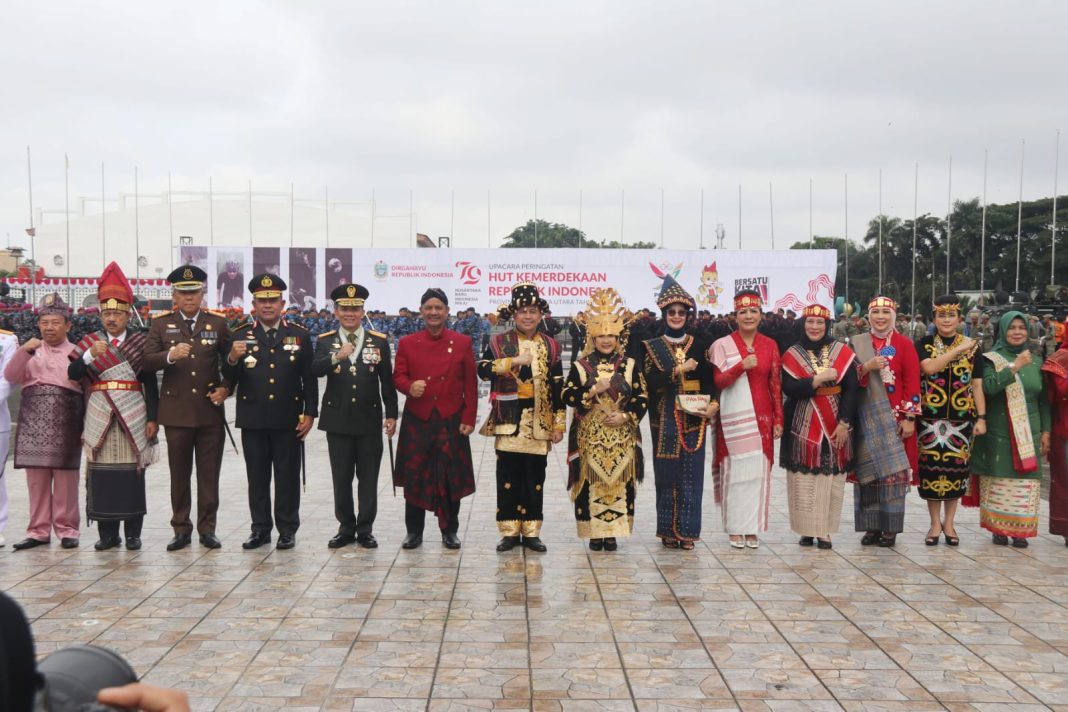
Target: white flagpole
point(66, 214)
point(622, 212)
point(103, 220)
point(739, 216)
point(211, 213)
point(661, 218)
point(1053, 233)
point(170, 219)
point(452, 218)
point(701, 232)
point(880, 231)
point(915, 216)
point(982, 239)
point(32, 231)
point(847, 238)
point(326, 211)
point(949, 220)
point(250, 211)
point(411, 218)
point(771, 214)
point(372, 217)
point(489, 219)
point(292, 210)
point(580, 218)
point(137, 228)
point(1019, 218)
point(811, 234)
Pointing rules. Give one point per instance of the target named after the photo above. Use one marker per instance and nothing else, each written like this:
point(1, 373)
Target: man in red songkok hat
point(120, 432)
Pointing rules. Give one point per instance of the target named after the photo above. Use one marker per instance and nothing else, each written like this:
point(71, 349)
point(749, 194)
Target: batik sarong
point(49, 428)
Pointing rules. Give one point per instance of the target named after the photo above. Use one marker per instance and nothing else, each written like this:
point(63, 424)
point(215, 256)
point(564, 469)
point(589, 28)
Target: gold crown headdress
point(605, 315)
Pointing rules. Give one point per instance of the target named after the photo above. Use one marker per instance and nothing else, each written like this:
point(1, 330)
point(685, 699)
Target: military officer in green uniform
point(187, 346)
point(277, 402)
point(359, 388)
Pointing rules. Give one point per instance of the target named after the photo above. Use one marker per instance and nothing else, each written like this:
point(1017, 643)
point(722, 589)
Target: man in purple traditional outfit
point(48, 438)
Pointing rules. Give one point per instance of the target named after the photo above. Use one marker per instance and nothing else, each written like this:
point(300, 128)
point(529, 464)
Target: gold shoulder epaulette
point(327, 333)
point(379, 334)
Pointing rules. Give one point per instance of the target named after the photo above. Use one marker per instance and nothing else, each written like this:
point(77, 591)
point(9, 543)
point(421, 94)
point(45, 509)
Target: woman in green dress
point(1006, 457)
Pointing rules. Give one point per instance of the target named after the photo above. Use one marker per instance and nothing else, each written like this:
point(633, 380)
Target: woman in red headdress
point(886, 452)
point(750, 420)
point(820, 383)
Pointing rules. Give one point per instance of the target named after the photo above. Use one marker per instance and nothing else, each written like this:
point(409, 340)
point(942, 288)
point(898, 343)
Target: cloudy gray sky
point(461, 98)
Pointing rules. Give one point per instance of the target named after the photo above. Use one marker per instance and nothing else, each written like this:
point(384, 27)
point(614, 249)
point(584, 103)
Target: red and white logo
point(469, 273)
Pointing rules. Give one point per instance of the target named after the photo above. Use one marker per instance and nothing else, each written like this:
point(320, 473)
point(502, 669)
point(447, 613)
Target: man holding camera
point(188, 345)
point(277, 403)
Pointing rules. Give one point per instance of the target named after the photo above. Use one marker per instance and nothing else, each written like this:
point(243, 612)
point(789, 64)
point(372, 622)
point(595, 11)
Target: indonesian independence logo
point(469, 273)
point(381, 270)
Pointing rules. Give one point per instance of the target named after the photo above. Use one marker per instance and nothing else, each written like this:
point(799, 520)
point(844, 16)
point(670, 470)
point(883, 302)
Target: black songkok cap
point(434, 293)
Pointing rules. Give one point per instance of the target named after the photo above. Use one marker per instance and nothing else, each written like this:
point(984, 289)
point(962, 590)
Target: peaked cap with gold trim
point(349, 295)
point(188, 278)
point(266, 286)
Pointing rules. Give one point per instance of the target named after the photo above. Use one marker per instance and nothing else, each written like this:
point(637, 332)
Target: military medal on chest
point(250, 360)
point(292, 345)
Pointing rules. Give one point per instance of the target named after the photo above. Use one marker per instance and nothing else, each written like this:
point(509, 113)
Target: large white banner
point(483, 278)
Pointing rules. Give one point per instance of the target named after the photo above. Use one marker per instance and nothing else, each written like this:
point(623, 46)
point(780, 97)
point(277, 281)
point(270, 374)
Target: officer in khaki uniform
point(187, 346)
point(359, 386)
point(277, 403)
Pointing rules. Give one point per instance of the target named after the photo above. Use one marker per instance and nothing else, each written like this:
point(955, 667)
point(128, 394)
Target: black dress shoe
point(29, 543)
point(507, 543)
point(412, 541)
point(870, 538)
point(1000, 539)
point(367, 541)
point(211, 541)
point(133, 543)
point(824, 544)
point(596, 544)
point(107, 543)
point(451, 541)
point(806, 541)
point(69, 542)
point(535, 544)
point(286, 541)
point(180, 541)
point(341, 540)
point(256, 540)
point(609, 544)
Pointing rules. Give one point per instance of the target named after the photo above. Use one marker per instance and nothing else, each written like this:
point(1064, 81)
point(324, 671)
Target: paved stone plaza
point(643, 628)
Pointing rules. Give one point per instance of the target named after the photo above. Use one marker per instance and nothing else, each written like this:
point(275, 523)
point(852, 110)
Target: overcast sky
point(560, 97)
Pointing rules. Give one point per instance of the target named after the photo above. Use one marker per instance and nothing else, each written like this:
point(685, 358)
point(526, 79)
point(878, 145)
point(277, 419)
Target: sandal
point(670, 543)
point(753, 543)
point(737, 543)
point(686, 545)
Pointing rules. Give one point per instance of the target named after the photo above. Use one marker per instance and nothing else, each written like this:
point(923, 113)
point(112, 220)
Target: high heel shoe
point(951, 540)
point(932, 540)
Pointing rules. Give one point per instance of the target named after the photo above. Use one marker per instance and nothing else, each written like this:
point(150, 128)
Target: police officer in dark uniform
point(187, 346)
point(277, 403)
point(359, 385)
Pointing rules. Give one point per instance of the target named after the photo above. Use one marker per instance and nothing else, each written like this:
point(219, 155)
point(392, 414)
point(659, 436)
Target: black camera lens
point(73, 677)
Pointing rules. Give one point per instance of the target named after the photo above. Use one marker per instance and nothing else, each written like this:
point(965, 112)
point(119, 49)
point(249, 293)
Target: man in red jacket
point(435, 369)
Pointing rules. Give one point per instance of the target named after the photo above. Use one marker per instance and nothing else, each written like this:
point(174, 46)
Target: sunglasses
point(676, 312)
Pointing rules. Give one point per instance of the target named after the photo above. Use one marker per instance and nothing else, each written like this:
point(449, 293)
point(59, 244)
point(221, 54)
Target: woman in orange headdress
point(750, 420)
